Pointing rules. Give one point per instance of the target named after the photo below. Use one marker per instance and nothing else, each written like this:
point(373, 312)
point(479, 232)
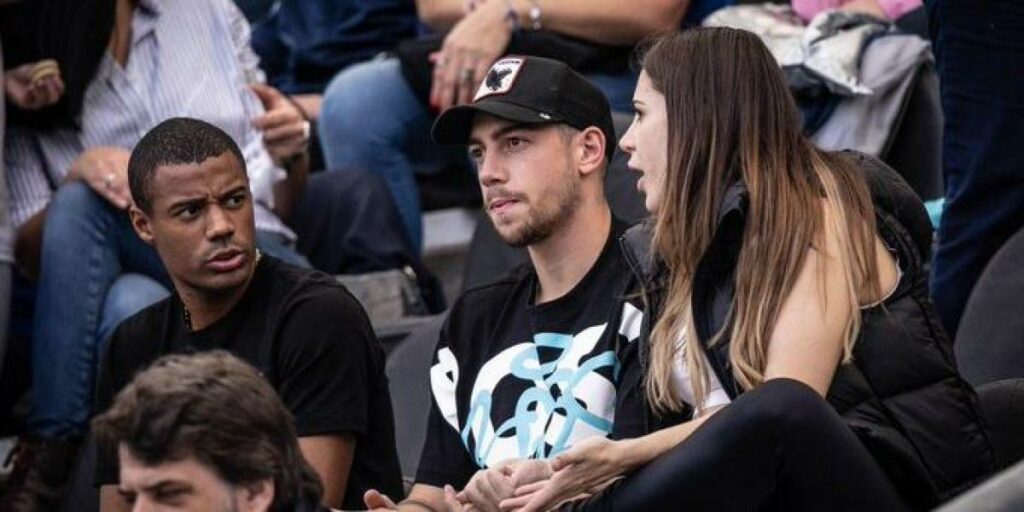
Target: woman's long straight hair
point(732, 118)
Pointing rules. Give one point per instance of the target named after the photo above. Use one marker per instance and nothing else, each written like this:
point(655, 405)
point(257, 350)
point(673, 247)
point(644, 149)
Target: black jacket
point(901, 394)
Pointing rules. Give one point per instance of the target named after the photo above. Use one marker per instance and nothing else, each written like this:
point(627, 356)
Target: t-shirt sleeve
point(444, 459)
point(330, 364)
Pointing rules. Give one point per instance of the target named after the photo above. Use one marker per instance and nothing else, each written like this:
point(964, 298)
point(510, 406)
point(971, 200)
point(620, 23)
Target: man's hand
point(488, 487)
point(473, 44)
point(285, 130)
point(105, 170)
point(34, 86)
point(377, 502)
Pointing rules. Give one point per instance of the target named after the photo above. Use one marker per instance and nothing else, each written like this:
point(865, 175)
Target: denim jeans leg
point(371, 120)
point(978, 44)
point(129, 294)
point(87, 244)
point(280, 247)
point(618, 88)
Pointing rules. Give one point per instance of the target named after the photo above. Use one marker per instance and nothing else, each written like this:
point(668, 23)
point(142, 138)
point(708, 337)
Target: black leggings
point(778, 447)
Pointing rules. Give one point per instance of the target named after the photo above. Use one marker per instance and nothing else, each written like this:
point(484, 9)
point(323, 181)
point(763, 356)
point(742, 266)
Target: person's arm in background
point(887, 9)
point(331, 457)
point(286, 135)
point(277, 170)
point(610, 22)
point(482, 35)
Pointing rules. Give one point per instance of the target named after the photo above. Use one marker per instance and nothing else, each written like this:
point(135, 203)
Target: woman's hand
point(473, 44)
point(34, 86)
point(578, 471)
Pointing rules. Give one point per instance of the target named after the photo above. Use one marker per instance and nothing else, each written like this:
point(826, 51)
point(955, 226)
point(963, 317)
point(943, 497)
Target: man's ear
point(140, 221)
point(257, 496)
point(591, 150)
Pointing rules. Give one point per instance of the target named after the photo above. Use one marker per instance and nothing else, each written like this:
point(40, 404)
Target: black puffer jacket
point(901, 394)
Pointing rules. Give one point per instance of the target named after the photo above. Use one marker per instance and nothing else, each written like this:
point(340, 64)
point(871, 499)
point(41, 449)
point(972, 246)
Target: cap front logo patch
point(500, 78)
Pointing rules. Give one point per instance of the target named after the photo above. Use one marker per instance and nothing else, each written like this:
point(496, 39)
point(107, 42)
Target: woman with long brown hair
point(778, 280)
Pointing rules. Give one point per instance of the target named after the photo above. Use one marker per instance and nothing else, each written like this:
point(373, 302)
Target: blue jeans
point(95, 272)
point(371, 120)
point(979, 45)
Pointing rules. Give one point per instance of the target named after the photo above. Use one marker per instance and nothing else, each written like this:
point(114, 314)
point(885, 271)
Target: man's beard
point(549, 214)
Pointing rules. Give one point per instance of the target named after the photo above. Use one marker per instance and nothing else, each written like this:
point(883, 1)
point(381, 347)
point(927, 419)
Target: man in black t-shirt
point(528, 366)
point(301, 329)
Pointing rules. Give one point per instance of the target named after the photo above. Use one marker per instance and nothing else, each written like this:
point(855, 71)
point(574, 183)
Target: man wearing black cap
point(528, 365)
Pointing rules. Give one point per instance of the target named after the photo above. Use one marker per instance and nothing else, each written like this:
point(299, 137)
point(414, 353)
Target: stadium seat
point(1002, 403)
point(1001, 493)
point(990, 343)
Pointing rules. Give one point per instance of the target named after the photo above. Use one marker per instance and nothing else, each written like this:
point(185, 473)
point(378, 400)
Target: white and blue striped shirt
point(188, 58)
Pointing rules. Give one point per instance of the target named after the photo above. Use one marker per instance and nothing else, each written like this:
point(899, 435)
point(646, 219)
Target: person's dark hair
point(176, 141)
point(75, 33)
point(218, 409)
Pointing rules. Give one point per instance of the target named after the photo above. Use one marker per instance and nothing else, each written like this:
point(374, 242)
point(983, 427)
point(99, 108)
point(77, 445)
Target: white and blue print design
point(567, 397)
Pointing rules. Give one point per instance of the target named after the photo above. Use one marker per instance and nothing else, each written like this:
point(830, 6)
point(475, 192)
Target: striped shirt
point(187, 58)
point(6, 230)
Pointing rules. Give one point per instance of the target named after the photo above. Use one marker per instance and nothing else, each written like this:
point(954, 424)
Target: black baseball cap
point(530, 90)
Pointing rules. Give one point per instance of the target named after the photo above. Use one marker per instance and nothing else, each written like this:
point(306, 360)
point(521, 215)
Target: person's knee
point(786, 402)
point(352, 101)
point(130, 294)
point(73, 200)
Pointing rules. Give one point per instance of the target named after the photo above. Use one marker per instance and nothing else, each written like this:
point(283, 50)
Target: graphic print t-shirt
point(514, 380)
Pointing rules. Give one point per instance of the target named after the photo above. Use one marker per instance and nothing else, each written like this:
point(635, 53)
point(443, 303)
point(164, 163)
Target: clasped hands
point(537, 485)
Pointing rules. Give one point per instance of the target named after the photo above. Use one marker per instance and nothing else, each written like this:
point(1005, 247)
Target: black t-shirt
point(512, 379)
point(312, 341)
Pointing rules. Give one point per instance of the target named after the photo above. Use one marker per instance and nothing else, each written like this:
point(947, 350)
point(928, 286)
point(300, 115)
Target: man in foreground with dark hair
point(181, 448)
point(298, 327)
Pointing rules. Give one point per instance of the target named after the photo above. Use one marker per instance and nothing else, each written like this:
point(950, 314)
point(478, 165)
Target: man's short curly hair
point(176, 141)
point(216, 408)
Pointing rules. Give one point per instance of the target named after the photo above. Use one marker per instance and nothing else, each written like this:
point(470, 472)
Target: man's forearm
point(331, 457)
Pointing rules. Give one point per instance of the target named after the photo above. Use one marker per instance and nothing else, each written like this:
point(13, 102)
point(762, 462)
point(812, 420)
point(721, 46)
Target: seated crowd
point(178, 205)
